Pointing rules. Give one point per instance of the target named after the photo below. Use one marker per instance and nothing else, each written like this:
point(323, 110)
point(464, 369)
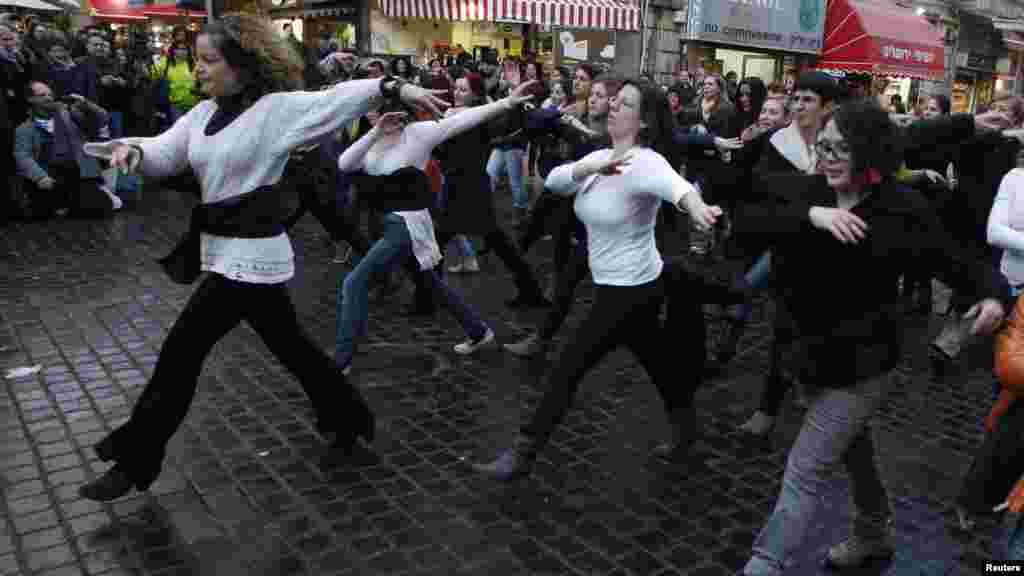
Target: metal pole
point(210, 15)
point(643, 34)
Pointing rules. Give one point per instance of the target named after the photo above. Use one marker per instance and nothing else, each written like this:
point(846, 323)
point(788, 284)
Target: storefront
point(149, 15)
point(311, 18)
point(1010, 69)
point(887, 41)
point(572, 30)
point(980, 47)
point(754, 38)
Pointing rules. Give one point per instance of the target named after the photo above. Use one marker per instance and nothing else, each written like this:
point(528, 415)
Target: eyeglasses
point(832, 151)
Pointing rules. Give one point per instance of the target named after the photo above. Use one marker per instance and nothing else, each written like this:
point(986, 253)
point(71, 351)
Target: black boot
point(684, 432)
point(115, 483)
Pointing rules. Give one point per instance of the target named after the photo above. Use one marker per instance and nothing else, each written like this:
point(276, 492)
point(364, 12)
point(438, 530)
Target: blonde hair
point(250, 44)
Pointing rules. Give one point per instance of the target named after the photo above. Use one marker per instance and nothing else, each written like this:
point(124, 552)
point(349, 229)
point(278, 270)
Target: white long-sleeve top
point(249, 153)
point(1006, 225)
point(619, 212)
point(415, 144)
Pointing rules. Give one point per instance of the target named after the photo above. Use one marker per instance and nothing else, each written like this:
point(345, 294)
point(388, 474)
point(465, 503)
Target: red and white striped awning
point(600, 14)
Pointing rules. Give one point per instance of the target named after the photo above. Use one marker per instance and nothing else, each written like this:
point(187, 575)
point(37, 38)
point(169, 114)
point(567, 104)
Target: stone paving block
point(595, 506)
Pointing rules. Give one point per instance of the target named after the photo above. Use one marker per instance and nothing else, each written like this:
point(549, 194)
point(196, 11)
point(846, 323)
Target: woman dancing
point(238, 143)
point(388, 164)
point(856, 229)
point(470, 204)
point(618, 192)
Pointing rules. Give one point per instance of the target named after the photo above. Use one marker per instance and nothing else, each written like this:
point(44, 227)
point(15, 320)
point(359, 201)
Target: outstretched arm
point(432, 134)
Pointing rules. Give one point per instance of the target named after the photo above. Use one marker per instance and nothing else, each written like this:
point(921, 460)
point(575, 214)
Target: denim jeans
point(116, 124)
point(512, 162)
point(835, 429)
point(757, 278)
point(394, 245)
point(464, 247)
point(1010, 544)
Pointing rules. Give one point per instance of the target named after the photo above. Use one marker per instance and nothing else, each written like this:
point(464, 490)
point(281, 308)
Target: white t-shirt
point(620, 212)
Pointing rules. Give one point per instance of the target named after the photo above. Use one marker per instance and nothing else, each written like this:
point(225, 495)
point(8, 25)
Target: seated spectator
point(58, 176)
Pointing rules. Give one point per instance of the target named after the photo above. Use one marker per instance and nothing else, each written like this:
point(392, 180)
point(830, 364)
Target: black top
point(843, 298)
point(470, 202)
point(404, 190)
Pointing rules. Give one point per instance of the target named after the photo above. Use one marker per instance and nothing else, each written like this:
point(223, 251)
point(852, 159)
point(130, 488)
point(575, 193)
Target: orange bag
point(1009, 363)
point(1009, 351)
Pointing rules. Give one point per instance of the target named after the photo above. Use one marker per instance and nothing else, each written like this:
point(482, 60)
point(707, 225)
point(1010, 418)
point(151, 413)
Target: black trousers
point(82, 197)
point(567, 278)
point(621, 316)
point(213, 310)
point(688, 288)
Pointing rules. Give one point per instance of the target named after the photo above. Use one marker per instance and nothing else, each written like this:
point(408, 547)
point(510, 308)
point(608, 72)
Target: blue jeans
point(511, 161)
point(116, 124)
point(463, 245)
point(353, 312)
point(1010, 544)
point(835, 429)
point(757, 278)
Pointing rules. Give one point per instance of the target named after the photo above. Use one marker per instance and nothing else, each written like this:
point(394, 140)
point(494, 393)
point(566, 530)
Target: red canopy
point(120, 11)
point(880, 37)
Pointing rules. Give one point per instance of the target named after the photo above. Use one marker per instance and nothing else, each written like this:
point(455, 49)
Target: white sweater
point(248, 153)
point(415, 144)
point(619, 213)
point(1006, 225)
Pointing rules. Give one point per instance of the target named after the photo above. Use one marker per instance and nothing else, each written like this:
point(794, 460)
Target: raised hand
point(126, 158)
point(424, 99)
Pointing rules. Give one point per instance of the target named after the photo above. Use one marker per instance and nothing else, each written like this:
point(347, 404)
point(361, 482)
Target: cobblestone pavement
point(244, 491)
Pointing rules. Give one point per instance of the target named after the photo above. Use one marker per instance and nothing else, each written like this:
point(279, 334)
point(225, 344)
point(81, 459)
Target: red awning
point(880, 37)
point(120, 11)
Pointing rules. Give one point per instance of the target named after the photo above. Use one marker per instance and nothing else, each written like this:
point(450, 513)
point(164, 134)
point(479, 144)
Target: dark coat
point(843, 298)
point(470, 205)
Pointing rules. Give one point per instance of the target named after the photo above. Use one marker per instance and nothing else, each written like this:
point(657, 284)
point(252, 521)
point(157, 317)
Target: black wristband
point(395, 91)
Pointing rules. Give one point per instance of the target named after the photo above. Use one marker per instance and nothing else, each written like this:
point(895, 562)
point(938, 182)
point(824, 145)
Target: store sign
point(907, 54)
point(788, 25)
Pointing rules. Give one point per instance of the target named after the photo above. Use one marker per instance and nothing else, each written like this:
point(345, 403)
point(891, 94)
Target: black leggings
point(213, 310)
point(621, 315)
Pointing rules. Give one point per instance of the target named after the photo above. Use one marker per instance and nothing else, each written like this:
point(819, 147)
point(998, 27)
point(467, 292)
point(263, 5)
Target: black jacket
point(843, 298)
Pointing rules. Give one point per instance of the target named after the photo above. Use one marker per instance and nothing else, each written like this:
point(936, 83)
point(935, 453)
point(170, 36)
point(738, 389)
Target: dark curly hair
point(656, 115)
point(264, 59)
point(874, 139)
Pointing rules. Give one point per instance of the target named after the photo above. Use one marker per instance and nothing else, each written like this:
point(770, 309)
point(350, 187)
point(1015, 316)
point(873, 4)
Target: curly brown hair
point(264, 59)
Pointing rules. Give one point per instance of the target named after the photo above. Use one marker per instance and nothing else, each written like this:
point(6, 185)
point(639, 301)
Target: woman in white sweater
point(618, 192)
point(238, 143)
point(388, 163)
point(1006, 227)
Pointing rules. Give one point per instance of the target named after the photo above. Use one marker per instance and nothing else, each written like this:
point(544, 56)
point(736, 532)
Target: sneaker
point(470, 265)
point(529, 346)
point(856, 551)
point(760, 424)
point(455, 268)
point(471, 346)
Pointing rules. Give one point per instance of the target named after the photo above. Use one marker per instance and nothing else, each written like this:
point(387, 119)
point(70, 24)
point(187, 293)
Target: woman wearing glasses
point(839, 241)
point(238, 143)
